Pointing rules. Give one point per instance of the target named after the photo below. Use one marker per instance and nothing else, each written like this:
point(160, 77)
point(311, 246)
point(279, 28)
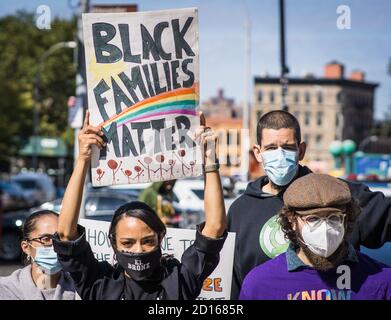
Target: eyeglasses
point(334, 219)
point(45, 240)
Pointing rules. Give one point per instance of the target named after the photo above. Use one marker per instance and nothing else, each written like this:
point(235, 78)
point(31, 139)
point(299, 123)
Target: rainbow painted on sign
point(180, 101)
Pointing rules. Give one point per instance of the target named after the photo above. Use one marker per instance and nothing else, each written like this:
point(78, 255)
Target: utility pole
point(245, 141)
point(81, 83)
point(284, 68)
point(81, 90)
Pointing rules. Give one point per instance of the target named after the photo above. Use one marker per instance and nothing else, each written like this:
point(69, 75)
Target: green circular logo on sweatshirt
point(271, 238)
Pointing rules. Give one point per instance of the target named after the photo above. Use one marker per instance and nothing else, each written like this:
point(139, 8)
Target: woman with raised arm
point(136, 232)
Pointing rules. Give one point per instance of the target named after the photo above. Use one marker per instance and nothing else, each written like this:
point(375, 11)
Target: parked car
point(12, 196)
point(382, 254)
point(188, 200)
point(38, 187)
point(385, 191)
point(10, 234)
point(99, 205)
point(188, 193)
point(240, 187)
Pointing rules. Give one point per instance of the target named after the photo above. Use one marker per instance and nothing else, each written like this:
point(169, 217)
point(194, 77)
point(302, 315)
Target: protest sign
point(142, 80)
point(216, 287)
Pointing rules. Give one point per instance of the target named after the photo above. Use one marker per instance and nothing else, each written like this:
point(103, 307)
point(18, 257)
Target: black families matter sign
point(142, 77)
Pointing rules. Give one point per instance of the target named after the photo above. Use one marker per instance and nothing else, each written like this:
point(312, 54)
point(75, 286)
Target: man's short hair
point(276, 120)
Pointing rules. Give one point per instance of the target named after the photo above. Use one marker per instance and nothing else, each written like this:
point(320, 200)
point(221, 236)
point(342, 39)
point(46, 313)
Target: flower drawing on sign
point(171, 163)
point(148, 161)
point(182, 154)
point(113, 165)
point(139, 171)
point(100, 174)
point(160, 159)
point(192, 166)
point(128, 174)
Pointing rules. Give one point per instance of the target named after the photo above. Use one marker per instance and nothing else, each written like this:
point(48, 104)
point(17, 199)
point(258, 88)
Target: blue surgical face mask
point(46, 259)
point(280, 165)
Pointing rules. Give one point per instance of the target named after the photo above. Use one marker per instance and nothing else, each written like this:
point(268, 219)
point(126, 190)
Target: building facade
point(225, 117)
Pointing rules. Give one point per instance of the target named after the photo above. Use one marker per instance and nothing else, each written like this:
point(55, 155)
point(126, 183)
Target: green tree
point(22, 44)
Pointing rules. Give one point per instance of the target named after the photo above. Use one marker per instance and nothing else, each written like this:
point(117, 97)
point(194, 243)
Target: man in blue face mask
point(279, 152)
point(253, 216)
point(280, 165)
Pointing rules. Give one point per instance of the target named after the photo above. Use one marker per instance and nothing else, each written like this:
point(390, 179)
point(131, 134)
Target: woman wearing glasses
point(42, 278)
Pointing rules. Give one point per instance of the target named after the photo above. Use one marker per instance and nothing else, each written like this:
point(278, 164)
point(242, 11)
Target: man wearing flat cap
point(318, 215)
point(253, 216)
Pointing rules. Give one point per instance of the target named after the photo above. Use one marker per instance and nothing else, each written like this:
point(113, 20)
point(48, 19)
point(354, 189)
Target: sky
point(313, 38)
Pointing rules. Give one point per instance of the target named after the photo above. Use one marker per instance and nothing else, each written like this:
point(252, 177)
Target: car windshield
point(9, 187)
point(240, 191)
point(98, 205)
point(199, 193)
point(27, 184)
point(109, 203)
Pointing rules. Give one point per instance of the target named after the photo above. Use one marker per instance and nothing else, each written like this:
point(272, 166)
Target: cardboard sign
point(216, 287)
point(142, 80)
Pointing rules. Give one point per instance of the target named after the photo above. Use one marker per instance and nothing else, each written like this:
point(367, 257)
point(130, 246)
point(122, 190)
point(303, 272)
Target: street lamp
point(245, 141)
point(36, 96)
point(284, 68)
point(367, 141)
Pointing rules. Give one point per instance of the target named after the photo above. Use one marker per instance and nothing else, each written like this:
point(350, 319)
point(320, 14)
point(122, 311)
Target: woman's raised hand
point(88, 136)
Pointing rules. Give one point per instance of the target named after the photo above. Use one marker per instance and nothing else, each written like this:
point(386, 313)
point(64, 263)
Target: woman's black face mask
point(139, 266)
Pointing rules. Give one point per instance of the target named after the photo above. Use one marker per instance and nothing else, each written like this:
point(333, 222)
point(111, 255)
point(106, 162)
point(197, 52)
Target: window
point(307, 117)
point(307, 138)
point(296, 97)
point(229, 141)
point(259, 115)
point(296, 114)
point(271, 96)
point(318, 141)
point(259, 96)
point(320, 97)
point(319, 118)
point(27, 184)
point(339, 97)
point(307, 97)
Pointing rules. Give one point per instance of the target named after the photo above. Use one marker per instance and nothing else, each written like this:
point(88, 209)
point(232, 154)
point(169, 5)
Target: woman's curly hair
point(288, 216)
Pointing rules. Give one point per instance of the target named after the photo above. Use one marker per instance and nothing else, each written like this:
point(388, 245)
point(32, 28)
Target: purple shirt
point(370, 280)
